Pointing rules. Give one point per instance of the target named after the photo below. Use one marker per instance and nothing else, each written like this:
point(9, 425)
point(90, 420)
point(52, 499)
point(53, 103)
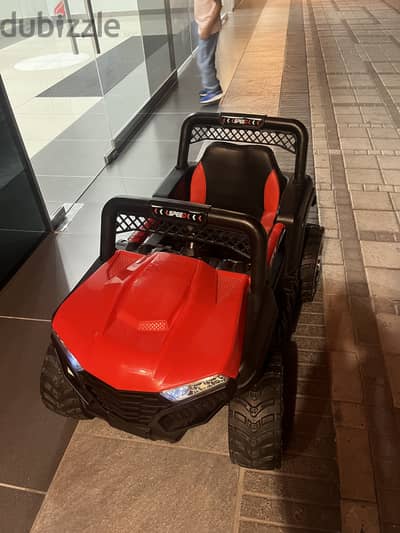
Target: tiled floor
point(335, 65)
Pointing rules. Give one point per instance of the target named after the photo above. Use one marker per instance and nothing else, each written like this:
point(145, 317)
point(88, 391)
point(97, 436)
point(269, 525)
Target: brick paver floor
point(335, 64)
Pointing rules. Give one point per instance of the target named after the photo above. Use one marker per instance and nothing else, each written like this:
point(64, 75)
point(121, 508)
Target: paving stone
point(391, 177)
point(388, 473)
point(390, 506)
point(332, 252)
point(310, 330)
point(386, 144)
point(328, 218)
point(393, 369)
point(258, 527)
point(358, 517)
point(345, 376)
point(290, 513)
point(356, 474)
point(391, 528)
point(334, 279)
point(384, 283)
point(381, 255)
point(384, 446)
point(345, 132)
point(360, 161)
point(389, 328)
point(372, 201)
point(389, 162)
point(383, 133)
point(396, 200)
point(292, 488)
point(355, 143)
point(377, 221)
point(357, 175)
point(350, 415)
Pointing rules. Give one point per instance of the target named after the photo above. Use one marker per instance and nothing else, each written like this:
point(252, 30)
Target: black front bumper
point(148, 415)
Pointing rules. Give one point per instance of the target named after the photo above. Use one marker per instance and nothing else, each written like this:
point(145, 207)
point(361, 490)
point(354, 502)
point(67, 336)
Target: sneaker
point(211, 97)
point(203, 92)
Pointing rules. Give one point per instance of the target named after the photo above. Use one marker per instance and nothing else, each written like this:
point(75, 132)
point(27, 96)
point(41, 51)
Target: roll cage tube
point(289, 134)
point(167, 210)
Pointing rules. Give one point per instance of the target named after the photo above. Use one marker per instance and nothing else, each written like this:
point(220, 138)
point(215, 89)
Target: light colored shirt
point(204, 11)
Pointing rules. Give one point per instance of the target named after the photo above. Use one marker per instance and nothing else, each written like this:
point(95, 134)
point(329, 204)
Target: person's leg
point(206, 62)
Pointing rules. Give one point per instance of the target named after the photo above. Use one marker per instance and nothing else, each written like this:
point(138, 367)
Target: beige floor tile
point(332, 253)
point(389, 330)
point(345, 377)
point(339, 330)
point(381, 254)
point(363, 175)
point(384, 283)
point(373, 201)
point(376, 221)
point(348, 414)
point(328, 218)
point(396, 200)
point(210, 437)
point(390, 162)
point(359, 517)
point(133, 487)
point(393, 370)
point(334, 280)
point(326, 199)
point(392, 177)
point(356, 476)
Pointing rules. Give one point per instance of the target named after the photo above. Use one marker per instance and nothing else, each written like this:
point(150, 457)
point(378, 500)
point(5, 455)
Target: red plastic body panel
point(152, 323)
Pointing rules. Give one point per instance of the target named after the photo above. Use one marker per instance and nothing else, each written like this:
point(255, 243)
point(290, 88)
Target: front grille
point(196, 412)
point(137, 407)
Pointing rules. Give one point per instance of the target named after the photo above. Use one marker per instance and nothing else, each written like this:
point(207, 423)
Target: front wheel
point(255, 421)
point(56, 392)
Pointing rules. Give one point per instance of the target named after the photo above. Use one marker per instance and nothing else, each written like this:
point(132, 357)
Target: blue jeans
point(206, 62)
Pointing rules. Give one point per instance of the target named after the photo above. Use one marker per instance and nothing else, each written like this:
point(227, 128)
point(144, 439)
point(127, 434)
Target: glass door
point(135, 58)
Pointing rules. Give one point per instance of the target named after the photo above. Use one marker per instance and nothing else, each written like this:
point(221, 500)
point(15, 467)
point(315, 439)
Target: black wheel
point(311, 264)
point(255, 421)
point(56, 392)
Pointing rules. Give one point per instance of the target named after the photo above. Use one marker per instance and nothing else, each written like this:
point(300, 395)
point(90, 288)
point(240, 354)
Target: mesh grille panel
point(286, 141)
point(211, 235)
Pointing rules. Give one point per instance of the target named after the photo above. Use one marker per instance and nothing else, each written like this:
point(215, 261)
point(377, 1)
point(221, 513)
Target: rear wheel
point(56, 392)
point(255, 421)
point(311, 264)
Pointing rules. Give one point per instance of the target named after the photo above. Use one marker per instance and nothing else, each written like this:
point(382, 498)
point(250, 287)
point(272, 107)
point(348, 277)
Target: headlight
point(194, 389)
point(73, 364)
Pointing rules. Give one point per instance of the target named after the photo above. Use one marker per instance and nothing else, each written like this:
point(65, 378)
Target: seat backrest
point(242, 178)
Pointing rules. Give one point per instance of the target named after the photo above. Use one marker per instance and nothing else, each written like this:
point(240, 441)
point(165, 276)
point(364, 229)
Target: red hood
point(151, 323)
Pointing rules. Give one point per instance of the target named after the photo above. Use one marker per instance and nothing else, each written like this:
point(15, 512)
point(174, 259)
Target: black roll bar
point(289, 134)
point(144, 208)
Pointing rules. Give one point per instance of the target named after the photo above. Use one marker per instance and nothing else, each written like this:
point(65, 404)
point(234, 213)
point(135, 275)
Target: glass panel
point(121, 65)
point(53, 85)
point(153, 17)
point(23, 221)
point(193, 26)
point(181, 30)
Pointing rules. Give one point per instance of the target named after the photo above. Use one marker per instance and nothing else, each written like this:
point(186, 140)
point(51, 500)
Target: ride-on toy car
point(190, 311)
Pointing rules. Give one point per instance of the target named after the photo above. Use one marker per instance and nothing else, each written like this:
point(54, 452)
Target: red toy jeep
point(192, 310)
